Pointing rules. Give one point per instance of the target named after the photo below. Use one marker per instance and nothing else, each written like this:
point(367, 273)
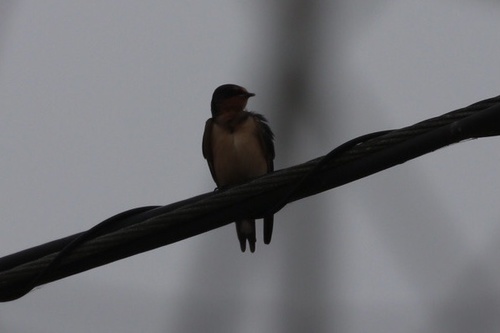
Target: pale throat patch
point(238, 155)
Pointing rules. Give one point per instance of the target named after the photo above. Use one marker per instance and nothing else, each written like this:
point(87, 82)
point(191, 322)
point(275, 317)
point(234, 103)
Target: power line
point(146, 228)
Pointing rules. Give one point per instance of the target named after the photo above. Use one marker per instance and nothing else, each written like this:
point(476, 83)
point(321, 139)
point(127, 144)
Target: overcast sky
point(102, 109)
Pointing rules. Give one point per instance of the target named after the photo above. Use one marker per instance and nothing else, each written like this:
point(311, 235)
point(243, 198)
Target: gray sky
point(103, 106)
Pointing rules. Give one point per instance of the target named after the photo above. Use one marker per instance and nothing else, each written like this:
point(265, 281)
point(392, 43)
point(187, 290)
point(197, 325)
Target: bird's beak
point(248, 95)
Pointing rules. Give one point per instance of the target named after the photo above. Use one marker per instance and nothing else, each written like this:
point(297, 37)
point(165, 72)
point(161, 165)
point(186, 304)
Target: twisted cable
point(145, 228)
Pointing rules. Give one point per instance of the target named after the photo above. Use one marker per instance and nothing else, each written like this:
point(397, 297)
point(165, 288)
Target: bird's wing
point(207, 146)
point(266, 137)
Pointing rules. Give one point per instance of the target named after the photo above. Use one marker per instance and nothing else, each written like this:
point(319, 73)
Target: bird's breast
point(237, 154)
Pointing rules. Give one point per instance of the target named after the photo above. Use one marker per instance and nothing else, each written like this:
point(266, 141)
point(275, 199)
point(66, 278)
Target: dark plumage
point(238, 146)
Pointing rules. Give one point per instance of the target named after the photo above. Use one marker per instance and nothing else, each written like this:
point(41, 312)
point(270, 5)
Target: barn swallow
point(238, 146)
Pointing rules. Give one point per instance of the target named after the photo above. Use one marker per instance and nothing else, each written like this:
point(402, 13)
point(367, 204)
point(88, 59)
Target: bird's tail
point(268, 228)
point(245, 229)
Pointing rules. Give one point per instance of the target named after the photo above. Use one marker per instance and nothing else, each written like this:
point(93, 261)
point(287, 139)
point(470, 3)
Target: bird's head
point(229, 97)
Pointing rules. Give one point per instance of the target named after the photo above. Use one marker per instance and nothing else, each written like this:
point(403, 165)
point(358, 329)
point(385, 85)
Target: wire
point(332, 154)
point(146, 228)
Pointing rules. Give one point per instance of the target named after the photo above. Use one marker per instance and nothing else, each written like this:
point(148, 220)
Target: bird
point(238, 146)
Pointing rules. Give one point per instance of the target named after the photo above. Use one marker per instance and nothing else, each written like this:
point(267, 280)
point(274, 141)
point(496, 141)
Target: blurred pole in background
point(298, 121)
